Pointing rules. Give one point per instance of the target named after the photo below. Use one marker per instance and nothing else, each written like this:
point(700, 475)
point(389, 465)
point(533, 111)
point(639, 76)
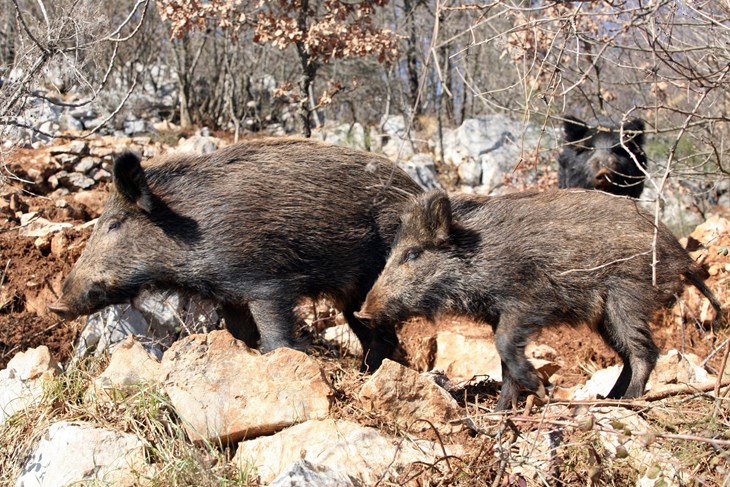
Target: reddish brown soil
point(31, 272)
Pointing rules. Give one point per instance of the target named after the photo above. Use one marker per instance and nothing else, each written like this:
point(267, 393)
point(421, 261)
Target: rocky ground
point(315, 417)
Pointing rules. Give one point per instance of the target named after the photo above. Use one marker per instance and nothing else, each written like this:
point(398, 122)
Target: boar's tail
point(696, 275)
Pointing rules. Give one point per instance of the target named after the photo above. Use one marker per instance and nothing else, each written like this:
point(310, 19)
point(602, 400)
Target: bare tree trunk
point(183, 77)
point(309, 72)
point(411, 56)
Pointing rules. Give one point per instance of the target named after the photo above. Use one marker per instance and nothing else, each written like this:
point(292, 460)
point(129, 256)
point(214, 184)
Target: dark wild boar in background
point(527, 260)
point(594, 158)
point(256, 226)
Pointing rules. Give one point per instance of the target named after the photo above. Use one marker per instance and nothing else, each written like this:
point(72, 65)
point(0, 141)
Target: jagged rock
point(470, 172)
point(679, 368)
point(672, 368)
point(408, 397)
point(103, 152)
point(490, 145)
point(225, 391)
point(77, 180)
point(43, 244)
point(422, 170)
point(199, 144)
point(86, 164)
point(76, 147)
point(100, 175)
point(70, 180)
point(364, 455)
point(157, 318)
point(54, 179)
point(66, 161)
point(75, 452)
point(679, 207)
point(33, 226)
point(68, 122)
point(59, 244)
point(621, 428)
point(107, 329)
point(136, 126)
point(345, 338)
point(21, 383)
point(465, 354)
point(130, 368)
point(303, 474)
point(396, 143)
point(536, 455)
point(599, 385)
point(462, 355)
point(59, 193)
point(349, 135)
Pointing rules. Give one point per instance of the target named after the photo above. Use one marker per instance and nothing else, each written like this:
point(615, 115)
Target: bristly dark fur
point(594, 158)
point(257, 226)
point(528, 260)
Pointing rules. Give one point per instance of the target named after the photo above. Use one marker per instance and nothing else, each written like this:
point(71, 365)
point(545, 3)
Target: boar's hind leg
point(275, 320)
point(240, 323)
point(378, 343)
point(511, 336)
point(625, 328)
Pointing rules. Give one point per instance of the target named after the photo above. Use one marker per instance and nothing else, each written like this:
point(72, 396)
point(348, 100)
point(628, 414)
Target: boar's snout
point(72, 304)
point(370, 309)
point(363, 314)
point(62, 310)
point(602, 180)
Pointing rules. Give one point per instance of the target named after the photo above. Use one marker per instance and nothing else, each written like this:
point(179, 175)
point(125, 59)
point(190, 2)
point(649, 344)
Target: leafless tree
point(61, 54)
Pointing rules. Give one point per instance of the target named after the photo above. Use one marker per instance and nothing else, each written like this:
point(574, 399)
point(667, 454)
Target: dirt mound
point(32, 273)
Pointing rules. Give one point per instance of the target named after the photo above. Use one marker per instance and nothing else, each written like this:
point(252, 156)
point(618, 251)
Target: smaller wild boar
point(527, 260)
point(594, 158)
point(256, 226)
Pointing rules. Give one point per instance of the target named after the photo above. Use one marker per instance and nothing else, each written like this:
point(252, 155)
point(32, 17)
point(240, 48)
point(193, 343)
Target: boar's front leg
point(275, 321)
point(378, 340)
point(240, 323)
point(511, 336)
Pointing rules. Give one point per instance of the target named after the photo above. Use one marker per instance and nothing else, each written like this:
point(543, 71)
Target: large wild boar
point(595, 158)
point(527, 260)
point(256, 226)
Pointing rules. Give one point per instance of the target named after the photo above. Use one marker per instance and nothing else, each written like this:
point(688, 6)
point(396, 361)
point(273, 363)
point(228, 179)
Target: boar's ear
point(437, 216)
point(636, 125)
point(575, 129)
point(130, 181)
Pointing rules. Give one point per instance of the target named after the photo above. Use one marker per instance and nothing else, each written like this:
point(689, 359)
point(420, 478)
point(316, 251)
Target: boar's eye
point(114, 224)
point(411, 255)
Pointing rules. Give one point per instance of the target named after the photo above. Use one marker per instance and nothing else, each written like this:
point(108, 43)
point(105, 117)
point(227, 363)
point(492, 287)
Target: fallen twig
point(686, 389)
point(712, 354)
point(718, 399)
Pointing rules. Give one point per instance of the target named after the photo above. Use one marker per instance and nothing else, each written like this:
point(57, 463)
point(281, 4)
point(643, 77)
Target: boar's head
point(610, 164)
point(123, 250)
point(418, 276)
